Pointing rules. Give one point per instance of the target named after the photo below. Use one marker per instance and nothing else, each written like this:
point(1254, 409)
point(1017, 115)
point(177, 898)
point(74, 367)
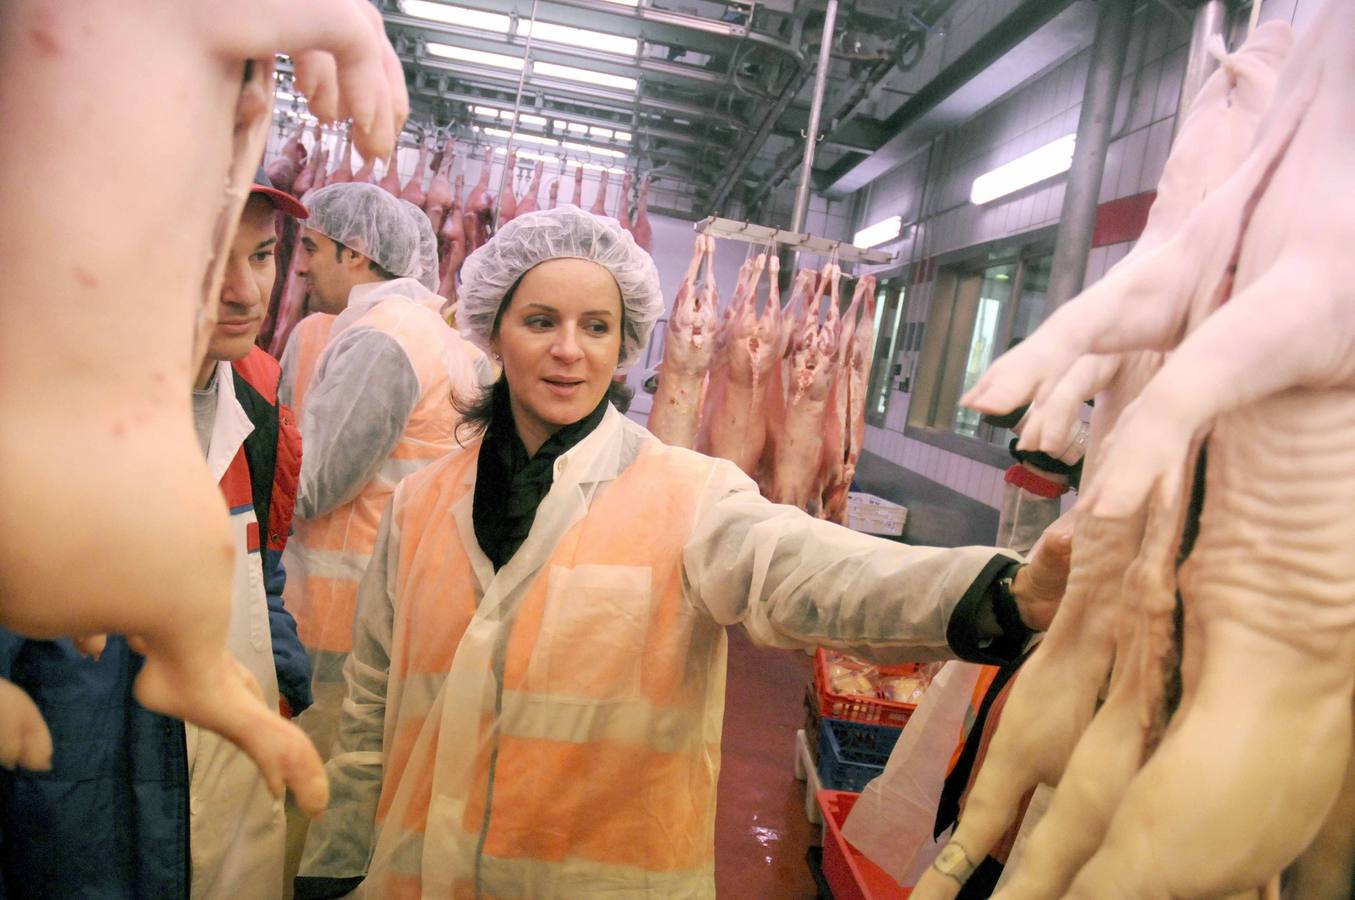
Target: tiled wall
point(969, 477)
point(1040, 111)
point(1298, 13)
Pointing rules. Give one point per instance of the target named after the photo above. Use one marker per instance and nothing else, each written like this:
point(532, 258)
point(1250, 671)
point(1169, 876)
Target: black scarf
point(509, 485)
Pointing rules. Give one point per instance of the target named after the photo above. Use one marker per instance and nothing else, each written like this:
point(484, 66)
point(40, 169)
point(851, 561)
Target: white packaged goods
point(873, 515)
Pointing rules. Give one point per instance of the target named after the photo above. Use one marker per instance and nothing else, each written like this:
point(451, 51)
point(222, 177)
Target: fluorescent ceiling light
point(880, 233)
point(506, 115)
point(589, 148)
point(456, 15)
point(477, 57)
point(284, 96)
point(579, 37)
point(625, 2)
point(1046, 162)
point(594, 131)
point(528, 154)
point(588, 76)
point(520, 136)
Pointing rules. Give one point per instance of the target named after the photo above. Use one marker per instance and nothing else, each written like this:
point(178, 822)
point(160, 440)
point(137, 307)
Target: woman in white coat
point(536, 690)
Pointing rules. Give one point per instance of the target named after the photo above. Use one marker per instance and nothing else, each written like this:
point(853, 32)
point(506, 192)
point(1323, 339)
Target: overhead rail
point(642, 21)
point(733, 229)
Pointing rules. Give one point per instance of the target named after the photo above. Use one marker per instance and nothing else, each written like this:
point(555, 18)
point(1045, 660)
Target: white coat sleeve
point(339, 843)
point(794, 581)
point(356, 410)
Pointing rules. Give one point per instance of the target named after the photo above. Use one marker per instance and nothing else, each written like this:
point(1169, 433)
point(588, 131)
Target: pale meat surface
point(106, 373)
point(1215, 797)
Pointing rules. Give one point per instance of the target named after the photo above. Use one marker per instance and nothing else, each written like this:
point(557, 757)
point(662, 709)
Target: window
point(889, 304)
point(976, 315)
point(995, 293)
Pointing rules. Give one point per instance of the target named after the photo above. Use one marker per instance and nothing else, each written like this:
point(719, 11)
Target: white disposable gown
point(790, 580)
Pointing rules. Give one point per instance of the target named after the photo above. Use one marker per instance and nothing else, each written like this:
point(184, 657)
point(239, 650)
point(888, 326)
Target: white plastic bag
point(892, 822)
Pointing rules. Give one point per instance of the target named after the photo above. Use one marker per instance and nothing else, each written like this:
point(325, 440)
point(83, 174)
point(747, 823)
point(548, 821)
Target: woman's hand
point(1038, 587)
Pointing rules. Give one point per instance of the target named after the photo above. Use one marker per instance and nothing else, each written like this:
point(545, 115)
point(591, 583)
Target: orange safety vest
point(598, 775)
point(331, 552)
point(311, 336)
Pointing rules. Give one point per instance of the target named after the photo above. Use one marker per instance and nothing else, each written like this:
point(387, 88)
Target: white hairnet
point(428, 246)
point(563, 232)
point(367, 219)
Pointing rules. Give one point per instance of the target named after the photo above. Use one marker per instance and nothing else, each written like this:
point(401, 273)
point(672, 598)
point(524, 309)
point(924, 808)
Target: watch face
point(954, 862)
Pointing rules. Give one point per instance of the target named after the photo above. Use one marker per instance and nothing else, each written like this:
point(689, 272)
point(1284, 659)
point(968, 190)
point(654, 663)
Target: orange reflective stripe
point(312, 336)
point(335, 548)
point(339, 600)
point(619, 831)
point(602, 758)
point(985, 681)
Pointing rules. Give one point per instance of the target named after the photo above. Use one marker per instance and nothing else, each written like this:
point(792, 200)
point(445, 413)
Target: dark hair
point(371, 264)
point(477, 410)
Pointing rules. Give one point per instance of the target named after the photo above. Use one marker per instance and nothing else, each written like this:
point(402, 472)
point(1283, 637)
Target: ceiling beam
point(995, 43)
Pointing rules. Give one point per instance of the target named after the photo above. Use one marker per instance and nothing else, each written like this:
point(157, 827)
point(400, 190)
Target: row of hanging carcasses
point(780, 393)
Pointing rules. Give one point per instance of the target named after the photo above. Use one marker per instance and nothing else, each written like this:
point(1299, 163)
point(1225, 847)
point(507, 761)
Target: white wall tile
point(1141, 111)
point(1131, 164)
point(1110, 174)
point(974, 479)
point(1155, 153)
point(992, 480)
point(995, 495)
point(940, 459)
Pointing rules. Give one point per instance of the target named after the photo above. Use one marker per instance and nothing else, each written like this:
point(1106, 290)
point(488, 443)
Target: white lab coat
point(236, 827)
point(791, 581)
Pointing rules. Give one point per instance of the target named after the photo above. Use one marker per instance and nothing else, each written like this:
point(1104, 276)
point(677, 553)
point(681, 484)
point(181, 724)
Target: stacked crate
point(855, 733)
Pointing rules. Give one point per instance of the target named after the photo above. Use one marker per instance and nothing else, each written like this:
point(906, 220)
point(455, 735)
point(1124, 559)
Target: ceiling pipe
point(1210, 19)
point(612, 64)
point(636, 17)
point(853, 95)
point(856, 92)
point(995, 43)
point(811, 135)
point(623, 103)
point(662, 134)
point(753, 141)
point(1073, 242)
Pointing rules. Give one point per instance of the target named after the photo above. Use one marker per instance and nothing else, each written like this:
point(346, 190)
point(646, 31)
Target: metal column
point(1078, 217)
point(797, 219)
point(1210, 19)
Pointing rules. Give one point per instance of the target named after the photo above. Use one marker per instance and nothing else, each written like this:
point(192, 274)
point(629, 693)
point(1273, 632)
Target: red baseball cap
point(280, 199)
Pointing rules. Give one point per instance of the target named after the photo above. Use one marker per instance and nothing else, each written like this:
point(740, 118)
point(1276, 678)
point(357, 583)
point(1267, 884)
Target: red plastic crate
point(849, 874)
point(855, 707)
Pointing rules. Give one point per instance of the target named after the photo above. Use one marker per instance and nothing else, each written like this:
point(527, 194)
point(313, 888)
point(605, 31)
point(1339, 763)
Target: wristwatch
point(954, 863)
point(1005, 608)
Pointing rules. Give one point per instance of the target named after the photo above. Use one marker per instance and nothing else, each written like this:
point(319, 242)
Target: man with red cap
point(137, 804)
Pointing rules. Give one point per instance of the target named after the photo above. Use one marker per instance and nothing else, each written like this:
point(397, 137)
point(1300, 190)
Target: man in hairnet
point(373, 391)
point(429, 277)
point(536, 688)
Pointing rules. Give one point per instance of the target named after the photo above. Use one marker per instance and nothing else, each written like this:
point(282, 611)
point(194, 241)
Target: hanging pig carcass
point(1216, 758)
